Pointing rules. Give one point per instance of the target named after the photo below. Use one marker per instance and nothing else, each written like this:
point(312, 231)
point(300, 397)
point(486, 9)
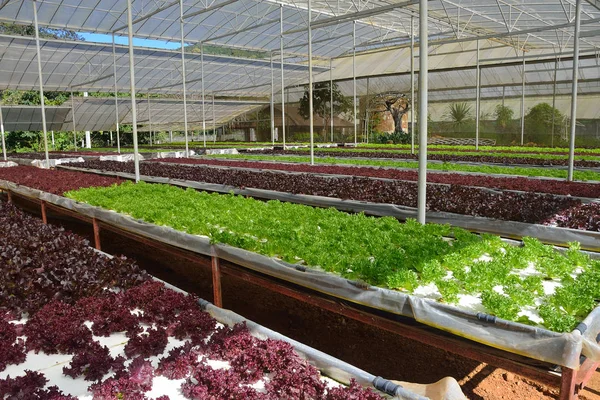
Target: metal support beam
point(149, 120)
point(2, 132)
point(554, 102)
point(310, 87)
point(523, 102)
point(208, 9)
point(272, 101)
point(203, 98)
point(41, 81)
point(136, 158)
point(214, 120)
point(52, 136)
point(282, 81)
point(116, 96)
point(183, 77)
point(491, 36)
point(331, 96)
point(324, 22)
point(412, 85)
point(477, 100)
point(367, 119)
point(423, 103)
point(574, 90)
point(73, 116)
point(149, 15)
point(354, 81)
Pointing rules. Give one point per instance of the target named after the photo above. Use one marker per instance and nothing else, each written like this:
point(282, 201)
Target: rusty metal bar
point(585, 372)
point(216, 280)
point(96, 234)
point(44, 216)
point(568, 384)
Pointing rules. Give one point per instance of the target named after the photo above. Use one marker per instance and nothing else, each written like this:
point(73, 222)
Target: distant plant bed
point(487, 158)
point(532, 284)
point(514, 149)
point(482, 169)
point(55, 182)
point(510, 206)
point(579, 189)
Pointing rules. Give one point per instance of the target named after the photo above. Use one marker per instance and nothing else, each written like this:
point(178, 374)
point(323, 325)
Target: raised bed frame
point(589, 240)
point(569, 381)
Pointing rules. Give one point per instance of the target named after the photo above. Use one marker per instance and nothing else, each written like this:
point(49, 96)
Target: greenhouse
point(316, 199)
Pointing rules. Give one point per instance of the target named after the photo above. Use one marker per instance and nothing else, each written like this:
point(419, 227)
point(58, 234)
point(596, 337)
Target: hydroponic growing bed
point(376, 189)
point(578, 189)
point(534, 343)
point(76, 323)
point(580, 175)
point(484, 158)
point(508, 206)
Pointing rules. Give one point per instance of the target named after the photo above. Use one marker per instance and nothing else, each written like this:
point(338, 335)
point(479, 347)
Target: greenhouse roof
point(255, 24)
point(87, 66)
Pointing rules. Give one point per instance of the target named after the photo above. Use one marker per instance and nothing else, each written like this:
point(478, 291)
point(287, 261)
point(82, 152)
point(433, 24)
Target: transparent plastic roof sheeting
point(381, 23)
point(81, 66)
point(536, 343)
point(99, 114)
point(29, 118)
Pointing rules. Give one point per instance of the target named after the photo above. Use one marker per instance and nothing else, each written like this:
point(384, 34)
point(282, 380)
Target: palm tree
point(459, 113)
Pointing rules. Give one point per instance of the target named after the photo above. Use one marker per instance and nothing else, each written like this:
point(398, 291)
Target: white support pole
point(282, 81)
point(412, 85)
point(149, 120)
point(183, 81)
point(553, 103)
point(203, 99)
point(367, 119)
point(331, 97)
point(354, 81)
point(117, 121)
point(214, 120)
point(171, 136)
point(478, 100)
point(423, 102)
point(52, 137)
point(73, 115)
point(110, 138)
point(272, 102)
point(88, 134)
point(2, 131)
point(136, 159)
point(574, 91)
point(40, 78)
point(523, 102)
point(310, 87)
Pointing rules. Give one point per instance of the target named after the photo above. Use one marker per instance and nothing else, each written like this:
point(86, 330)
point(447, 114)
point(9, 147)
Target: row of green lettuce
point(458, 153)
point(379, 251)
point(457, 148)
point(580, 175)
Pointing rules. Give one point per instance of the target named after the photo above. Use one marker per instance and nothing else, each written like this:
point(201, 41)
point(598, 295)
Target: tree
point(504, 116)
point(397, 105)
point(322, 95)
point(459, 113)
point(538, 121)
point(29, 30)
